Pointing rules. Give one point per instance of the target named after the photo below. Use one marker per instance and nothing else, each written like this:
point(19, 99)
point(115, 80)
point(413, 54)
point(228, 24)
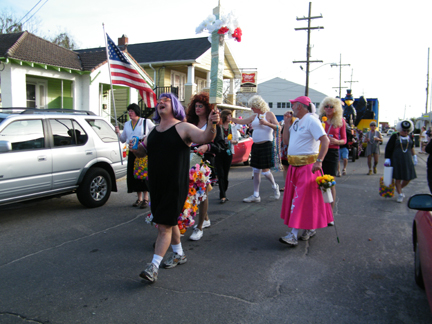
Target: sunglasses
point(328, 107)
point(164, 99)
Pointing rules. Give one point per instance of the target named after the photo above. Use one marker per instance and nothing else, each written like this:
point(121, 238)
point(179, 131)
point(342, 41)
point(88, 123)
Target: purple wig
point(178, 109)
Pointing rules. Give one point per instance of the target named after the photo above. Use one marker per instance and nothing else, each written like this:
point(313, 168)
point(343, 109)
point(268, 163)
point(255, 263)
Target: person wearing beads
point(197, 114)
point(335, 128)
point(225, 156)
point(400, 154)
point(264, 124)
point(168, 150)
point(373, 138)
point(303, 205)
point(136, 126)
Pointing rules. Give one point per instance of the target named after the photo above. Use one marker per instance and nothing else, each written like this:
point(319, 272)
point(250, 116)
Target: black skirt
point(262, 155)
point(330, 162)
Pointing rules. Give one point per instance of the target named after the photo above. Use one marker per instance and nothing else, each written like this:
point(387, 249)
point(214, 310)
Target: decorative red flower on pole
point(237, 34)
point(223, 30)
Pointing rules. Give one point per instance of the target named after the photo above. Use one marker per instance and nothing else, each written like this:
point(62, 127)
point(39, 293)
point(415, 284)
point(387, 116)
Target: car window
point(24, 134)
point(103, 130)
point(67, 132)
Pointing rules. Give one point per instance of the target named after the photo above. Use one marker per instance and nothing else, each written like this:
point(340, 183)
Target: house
point(278, 92)
point(180, 66)
point(39, 74)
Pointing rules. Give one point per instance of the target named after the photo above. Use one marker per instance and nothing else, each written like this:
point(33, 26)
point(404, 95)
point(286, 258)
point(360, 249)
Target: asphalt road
point(62, 263)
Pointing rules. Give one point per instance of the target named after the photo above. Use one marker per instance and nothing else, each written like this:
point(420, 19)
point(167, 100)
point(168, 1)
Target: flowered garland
point(141, 168)
point(225, 25)
point(384, 191)
point(199, 178)
point(326, 181)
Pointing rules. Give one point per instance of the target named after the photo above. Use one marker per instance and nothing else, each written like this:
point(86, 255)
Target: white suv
point(49, 152)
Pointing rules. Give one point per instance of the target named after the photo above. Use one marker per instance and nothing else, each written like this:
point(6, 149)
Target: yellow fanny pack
point(300, 160)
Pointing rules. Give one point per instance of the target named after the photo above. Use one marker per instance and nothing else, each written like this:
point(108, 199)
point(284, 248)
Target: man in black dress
point(168, 149)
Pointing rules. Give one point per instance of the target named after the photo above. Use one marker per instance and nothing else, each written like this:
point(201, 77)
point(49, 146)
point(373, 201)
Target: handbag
point(140, 170)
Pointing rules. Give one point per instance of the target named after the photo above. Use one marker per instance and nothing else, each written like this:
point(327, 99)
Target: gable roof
point(25, 46)
point(278, 88)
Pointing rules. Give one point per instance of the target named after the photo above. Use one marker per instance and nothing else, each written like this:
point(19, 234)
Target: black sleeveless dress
point(168, 171)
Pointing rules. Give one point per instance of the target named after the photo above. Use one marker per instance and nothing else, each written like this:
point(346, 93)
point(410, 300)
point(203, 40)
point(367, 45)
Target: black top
point(168, 170)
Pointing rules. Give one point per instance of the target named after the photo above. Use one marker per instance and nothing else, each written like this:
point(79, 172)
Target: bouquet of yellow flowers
point(326, 181)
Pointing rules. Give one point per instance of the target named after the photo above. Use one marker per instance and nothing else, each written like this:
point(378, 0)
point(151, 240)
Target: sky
point(385, 43)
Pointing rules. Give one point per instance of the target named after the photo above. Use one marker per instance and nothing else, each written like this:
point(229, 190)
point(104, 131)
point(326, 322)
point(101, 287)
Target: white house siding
point(281, 90)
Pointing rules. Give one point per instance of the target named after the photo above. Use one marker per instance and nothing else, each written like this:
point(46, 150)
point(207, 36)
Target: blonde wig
point(258, 103)
point(336, 120)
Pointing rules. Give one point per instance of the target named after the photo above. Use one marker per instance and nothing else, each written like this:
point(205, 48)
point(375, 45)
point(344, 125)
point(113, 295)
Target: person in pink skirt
point(303, 205)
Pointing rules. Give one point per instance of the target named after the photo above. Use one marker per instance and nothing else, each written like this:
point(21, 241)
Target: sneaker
point(330, 224)
point(174, 260)
point(150, 273)
point(400, 198)
point(206, 224)
point(307, 234)
point(276, 192)
point(252, 198)
point(196, 235)
point(370, 172)
point(289, 239)
point(374, 169)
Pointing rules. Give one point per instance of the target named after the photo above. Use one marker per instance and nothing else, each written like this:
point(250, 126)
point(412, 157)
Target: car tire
point(247, 162)
point(354, 154)
point(417, 267)
point(95, 189)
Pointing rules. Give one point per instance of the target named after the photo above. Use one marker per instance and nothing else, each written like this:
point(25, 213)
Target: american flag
point(122, 72)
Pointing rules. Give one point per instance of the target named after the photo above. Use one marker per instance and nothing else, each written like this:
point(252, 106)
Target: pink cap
point(303, 99)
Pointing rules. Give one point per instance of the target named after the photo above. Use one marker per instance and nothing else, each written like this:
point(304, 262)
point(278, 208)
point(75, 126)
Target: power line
point(36, 11)
point(29, 11)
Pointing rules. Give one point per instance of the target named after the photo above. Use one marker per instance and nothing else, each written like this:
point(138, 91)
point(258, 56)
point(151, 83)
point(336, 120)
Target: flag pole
point(112, 92)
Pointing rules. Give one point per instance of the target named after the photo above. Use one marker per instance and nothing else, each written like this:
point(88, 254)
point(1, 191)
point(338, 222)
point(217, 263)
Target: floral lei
point(199, 178)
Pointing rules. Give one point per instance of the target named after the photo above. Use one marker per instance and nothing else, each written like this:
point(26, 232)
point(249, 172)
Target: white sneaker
point(330, 224)
point(400, 198)
point(196, 235)
point(307, 234)
point(290, 239)
point(205, 224)
point(276, 192)
point(252, 198)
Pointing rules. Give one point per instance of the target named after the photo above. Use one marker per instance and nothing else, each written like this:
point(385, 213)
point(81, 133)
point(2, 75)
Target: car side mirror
point(420, 202)
point(5, 146)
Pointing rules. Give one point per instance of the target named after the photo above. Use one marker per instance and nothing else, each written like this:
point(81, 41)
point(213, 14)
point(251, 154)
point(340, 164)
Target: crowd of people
point(311, 144)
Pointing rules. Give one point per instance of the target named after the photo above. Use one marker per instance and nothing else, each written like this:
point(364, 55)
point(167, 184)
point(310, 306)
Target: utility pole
point(308, 52)
point(351, 82)
point(340, 73)
point(427, 83)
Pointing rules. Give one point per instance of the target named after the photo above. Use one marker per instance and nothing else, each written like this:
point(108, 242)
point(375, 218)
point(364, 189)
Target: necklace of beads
point(406, 148)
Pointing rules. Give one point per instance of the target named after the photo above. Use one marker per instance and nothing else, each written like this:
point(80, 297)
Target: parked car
point(422, 242)
point(242, 150)
point(390, 132)
point(50, 152)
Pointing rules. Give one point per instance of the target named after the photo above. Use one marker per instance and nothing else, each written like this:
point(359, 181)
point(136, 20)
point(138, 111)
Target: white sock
point(177, 248)
point(269, 177)
point(295, 232)
point(157, 259)
point(256, 181)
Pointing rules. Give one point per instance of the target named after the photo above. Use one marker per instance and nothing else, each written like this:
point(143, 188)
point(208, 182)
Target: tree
point(9, 24)
point(64, 40)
